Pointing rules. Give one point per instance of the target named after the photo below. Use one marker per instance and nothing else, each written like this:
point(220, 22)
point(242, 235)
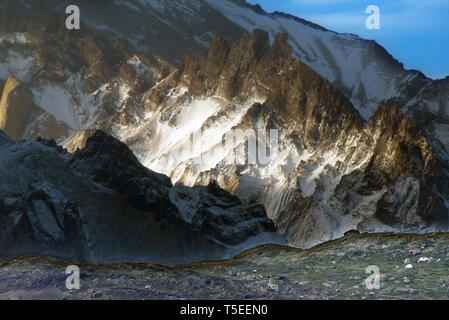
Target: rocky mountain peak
point(258, 42)
point(401, 140)
point(112, 163)
point(280, 44)
point(253, 67)
point(346, 171)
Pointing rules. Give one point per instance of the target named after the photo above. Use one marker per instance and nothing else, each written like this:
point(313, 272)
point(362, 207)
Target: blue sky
point(416, 32)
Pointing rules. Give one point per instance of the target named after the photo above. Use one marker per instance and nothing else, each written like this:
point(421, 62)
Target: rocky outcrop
point(78, 141)
point(15, 108)
point(101, 205)
point(333, 171)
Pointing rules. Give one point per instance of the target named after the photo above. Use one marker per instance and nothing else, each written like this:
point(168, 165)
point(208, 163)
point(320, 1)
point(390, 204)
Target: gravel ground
point(411, 267)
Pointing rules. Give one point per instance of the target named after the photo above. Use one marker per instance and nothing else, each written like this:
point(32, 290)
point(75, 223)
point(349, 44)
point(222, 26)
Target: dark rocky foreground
point(100, 205)
point(334, 270)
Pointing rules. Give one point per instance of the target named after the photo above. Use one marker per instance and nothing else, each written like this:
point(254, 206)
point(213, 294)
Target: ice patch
point(15, 38)
point(17, 65)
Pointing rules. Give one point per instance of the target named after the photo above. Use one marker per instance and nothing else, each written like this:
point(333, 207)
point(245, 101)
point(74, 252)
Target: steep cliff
point(15, 108)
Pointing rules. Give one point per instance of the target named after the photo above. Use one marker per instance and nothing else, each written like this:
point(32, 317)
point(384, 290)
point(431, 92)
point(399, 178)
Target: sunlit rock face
point(15, 108)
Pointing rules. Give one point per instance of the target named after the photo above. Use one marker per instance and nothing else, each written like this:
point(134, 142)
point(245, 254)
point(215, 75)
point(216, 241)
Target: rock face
point(361, 142)
point(332, 171)
point(15, 108)
point(101, 205)
point(78, 141)
point(77, 79)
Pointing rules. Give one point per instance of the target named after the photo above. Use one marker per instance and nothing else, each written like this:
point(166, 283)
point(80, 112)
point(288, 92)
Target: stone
point(15, 108)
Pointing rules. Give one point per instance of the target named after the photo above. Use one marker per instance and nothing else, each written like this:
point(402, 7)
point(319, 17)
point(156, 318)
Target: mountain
point(361, 69)
point(358, 142)
point(76, 79)
point(100, 205)
point(330, 172)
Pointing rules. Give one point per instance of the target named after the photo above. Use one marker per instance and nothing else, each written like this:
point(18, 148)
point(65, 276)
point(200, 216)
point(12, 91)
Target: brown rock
point(401, 157)
point(78, 142)
point(15, 108)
